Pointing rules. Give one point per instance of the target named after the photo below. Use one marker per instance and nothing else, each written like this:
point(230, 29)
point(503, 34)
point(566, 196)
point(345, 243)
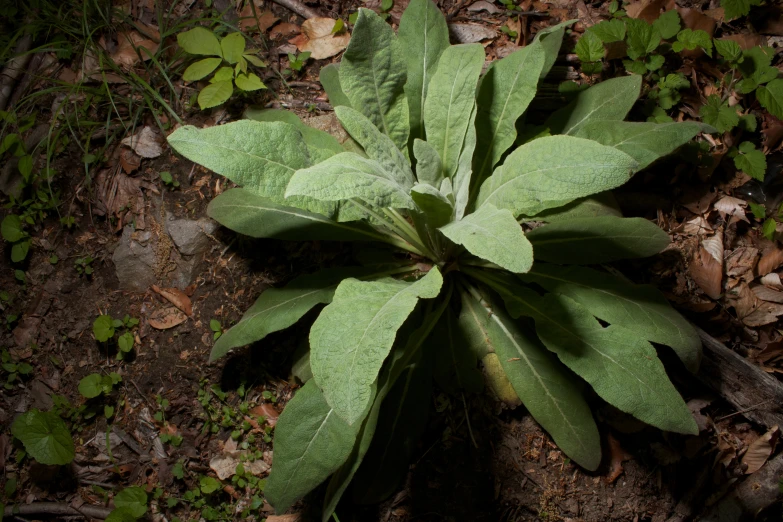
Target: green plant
point(130, 505)
point(14, 369)
point(104, 328)
point(95, 384)
point(84, 265)
point(230, 50)
point(217, 329)
point(13, 232)
point(166, 178)
point(45, 437)
point(454, 280)
point(297, 61)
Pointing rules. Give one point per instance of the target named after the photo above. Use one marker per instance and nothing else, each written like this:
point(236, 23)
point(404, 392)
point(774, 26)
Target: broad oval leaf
point(354, 334)
point(279, 308)
point(215, 93)
point(493, 235)
point(45, 437)
point(450, 102)
point(199, 40)
point(233, 46)
point(429, 168)
point(377, 145)
point(504, 94)
point(200, 69)
point(591, 241)
point(644, 142)
point(247, 213)
point(372, 76)
point(610, 100)
point(311, 442)
point(546, 389)
point(622, 368)
point(320, 145)
point(552, 171)
point(259, 156)
point(551, 39)
point(249, 82)
point(330, 81)
point(602, 204)
point(641, 308)
point(348, 175)
point(11, 228)
point(423, 36)
point(436, 207)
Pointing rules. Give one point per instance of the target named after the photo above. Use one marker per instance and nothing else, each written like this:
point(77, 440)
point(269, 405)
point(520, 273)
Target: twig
point(746, 410)
point(299, 8)
point(14, 68)
point(467, 418)
point(57, 508)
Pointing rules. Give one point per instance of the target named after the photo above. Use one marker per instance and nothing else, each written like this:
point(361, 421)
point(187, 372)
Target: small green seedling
point(14, 369)
point(296, 62)
point(130, 504)
point(12, 230)
point(216, 328)
point(96, 384)
point(508, 32)
point(84, 265)
point(104, 328)
point(228, 56)
point(167, 178)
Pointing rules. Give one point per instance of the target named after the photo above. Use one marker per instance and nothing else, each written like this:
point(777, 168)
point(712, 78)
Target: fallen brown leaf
point(648, 10)
point(766, 313)
point(176, 297)
point(145, 143)
point(267, 411)
point(773, 281)
point(767, 294)
point(470, 33)
point(617, 456)
point(746, 40)
point(282, 30)
point(317, 38)
point(730, 206)
point(760, 450)
point(771, 258)
point(706, 267)
point(296, 517)
point(130, 47)
point(483, 5)
point(741, 262)
point(256, 19)
point(129, 160)
point(165, 318)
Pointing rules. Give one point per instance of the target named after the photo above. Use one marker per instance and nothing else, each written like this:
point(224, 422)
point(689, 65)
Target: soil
point(476, 461)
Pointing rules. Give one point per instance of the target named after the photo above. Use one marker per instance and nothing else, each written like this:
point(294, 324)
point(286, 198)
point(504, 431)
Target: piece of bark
point(14, 68)
point(57, 508)
point(759, 491)
point(753, 392)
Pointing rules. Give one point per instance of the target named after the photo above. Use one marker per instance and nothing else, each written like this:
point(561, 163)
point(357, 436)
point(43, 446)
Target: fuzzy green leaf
point(200, 41)
point(546, 389)
point(456, 364)
point(691, 40)
point(717, 113)
point(728, 49)
point(623, 369)
point(610, 101)
point(552, 171)
point(354, 334)
point(377, 145)
point(247, 213)
point(504, 94)
point(644, 142)
point(330, 80)
point(279, 308)
point(493, 235)
point(603, 204)
point(640, 308)
point(372, 76)
point(321, 145)
point(423, 36)
point(233, 46)
point(215, 93)
point(311, 442)
point(770, 97)
point(591, 241)
point(45, 437)
point(200, 69)
point(437, 208)
point(429, 168)
point(348, 175)
point(551, 39)
point(261, 157)
point(450, 102)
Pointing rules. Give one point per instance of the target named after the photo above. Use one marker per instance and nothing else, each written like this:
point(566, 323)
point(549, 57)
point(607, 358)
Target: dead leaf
point(698, 200)
point(145, 143)
point(617, 456)
point(707, 266)
point(26, 332)
point(743, 300)
point(317, 38)
point(730, 206)
point(131, 48)
point(260, 20)
point(741, 262)
point(129, 160)
point(470, 33)
point(165, 318)
point(267, 411)
point(647, 10)
point(296, 517)
point(717, 14)
point(225, 465)
point(121, 196)
point(697, 226)
point(483, 5)
point(746, 41)
point(771, 258)
point(694, 19)
point(772, 281)
point(767, 294)
point(770, 352)
point(282, 30)
point(766, 313)
point(760, 450)
point(176, 297)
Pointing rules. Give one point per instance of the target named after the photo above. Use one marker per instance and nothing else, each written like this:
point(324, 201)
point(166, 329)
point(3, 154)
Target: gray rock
point(190, 237)
point(134, 260)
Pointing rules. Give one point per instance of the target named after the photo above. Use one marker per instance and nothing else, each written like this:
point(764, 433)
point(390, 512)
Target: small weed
point(167, 178)
point(13, 369)
point(84, 265)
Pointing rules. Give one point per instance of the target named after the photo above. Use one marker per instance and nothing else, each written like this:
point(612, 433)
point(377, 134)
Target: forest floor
point(123, 242)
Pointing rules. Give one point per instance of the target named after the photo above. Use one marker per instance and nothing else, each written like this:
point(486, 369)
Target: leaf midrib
point(213, 144)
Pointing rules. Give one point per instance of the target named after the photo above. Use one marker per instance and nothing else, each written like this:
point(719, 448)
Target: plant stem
point(399, 240)
point(407, 232)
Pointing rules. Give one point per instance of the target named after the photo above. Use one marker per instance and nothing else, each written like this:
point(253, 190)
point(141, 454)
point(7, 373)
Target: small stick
point(57, 508)
point(299, 8)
